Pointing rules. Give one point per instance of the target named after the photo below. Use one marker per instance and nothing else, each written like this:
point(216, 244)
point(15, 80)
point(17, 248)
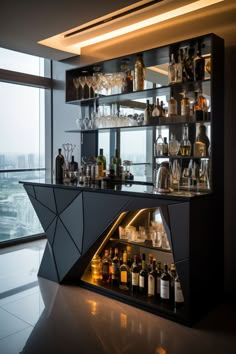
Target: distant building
point(31, 161)
point(21, 163)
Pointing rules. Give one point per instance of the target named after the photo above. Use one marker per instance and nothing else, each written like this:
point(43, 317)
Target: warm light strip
point(158, 70)
point(183, 10)
point(135, 217)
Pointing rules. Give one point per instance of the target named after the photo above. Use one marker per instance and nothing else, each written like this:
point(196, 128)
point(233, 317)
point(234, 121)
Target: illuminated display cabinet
point(81, 222)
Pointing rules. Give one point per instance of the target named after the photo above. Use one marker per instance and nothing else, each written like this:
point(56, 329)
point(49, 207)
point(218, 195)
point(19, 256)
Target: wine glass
point(82, 81)
point(76, 85)
point(89, 80)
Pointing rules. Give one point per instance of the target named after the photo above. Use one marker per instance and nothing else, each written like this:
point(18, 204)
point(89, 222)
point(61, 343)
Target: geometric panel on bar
point(45, 215)
point(64, 197)
point(99, 211)
point(179, 225)
point(29, 190)
point(45, 196)
point(65, 252)
point(72, 218)
point(47, 267)
point(51, 231)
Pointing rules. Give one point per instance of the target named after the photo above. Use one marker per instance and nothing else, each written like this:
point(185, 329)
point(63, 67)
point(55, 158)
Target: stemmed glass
point(82, 81)
point(76, 85)
point(89, 80)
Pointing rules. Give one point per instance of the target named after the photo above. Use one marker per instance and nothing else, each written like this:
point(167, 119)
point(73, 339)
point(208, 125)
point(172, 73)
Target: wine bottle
point(100, 164)
point(73, 165)
point(152, 280)
point(165, 286)
point(172, 273)
point(143, 277)
point(165, 147)
point(115, 268)
point(179, 298)
point(124, 274)
point(59, 163)
point(159, 273)
point(135, 276)
point(172, 69)
point(147, 113)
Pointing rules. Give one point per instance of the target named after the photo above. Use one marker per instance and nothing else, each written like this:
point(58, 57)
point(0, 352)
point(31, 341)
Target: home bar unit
point(104, 231)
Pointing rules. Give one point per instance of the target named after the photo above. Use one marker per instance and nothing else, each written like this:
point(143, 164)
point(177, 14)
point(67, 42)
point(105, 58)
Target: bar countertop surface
point(125, 188)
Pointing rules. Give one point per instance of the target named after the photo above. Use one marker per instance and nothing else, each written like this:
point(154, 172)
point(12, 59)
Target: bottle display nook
point(136, 259)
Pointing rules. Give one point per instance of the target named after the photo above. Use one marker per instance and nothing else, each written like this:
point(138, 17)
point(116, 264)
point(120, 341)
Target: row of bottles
point(184, 147)
point(132, 274)
point(186, 66)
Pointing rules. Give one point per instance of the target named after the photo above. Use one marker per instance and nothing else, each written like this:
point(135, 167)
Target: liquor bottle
point(179, 298)
point(199, 65)
point(106, 264)
point(172, 107)
point(185, 105)
point(159, 146)
point(197, 111)
point(185, 144)
point(165, 285)
point(73, 165)
point(183, 55)
point(135, 276)
point(203, 138)
point(152, 280)
point(59, 163)
point(165, 147)
point(179, 69)
point(115, 268)
point(159, 273)
point(157, 109)
point(143, 277)
point(139, 73)
point(172, 273)
point(172, 69)
point(174, 146)
point(147, 113)
point(189, 66)
point(202, 102)
point(124, 273)
point(100, 164)
point(127, 82)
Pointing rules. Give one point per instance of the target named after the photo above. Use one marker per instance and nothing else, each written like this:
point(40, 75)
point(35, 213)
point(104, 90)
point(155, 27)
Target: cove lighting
point(61, 41)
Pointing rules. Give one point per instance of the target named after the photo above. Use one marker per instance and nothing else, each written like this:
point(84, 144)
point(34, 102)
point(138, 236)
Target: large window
point(22, 141)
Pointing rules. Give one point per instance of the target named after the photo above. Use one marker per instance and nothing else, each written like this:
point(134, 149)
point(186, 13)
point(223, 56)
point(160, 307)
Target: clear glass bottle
point(185, 105)
point(159, 146)
point(172, 69)
point(139, 73)
point(124, 273)
point(157, 109)
point(174, 146)
point(185, 144)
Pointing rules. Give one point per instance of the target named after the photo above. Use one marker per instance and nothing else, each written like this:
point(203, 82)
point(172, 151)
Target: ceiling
point(23, 23)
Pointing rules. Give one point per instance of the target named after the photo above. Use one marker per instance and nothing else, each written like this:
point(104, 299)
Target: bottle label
point(172, 109)
point(141, 282)
point(165, 289)
point(178, 293)
point(123, 276)
point(151, 285)
point(135, 279)
point(115, 271)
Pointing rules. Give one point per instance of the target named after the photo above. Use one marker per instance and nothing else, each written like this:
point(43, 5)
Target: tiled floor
point(41, 317)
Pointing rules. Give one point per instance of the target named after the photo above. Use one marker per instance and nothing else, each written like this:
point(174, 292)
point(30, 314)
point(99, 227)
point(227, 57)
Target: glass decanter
point(174, 146)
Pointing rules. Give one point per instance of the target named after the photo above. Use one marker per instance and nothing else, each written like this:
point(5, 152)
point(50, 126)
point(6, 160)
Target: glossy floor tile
point(51, 318)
